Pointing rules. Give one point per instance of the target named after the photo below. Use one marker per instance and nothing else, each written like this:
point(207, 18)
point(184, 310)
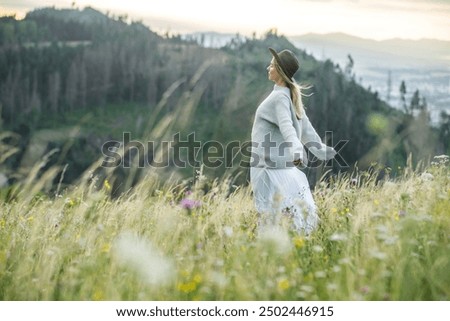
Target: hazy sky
point(376, 19)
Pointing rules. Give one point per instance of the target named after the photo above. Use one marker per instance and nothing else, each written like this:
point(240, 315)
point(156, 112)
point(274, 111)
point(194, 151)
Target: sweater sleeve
point(312, 140)
point(283, 117)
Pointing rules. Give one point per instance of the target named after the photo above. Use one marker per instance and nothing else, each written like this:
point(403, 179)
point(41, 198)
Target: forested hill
point(60, 68)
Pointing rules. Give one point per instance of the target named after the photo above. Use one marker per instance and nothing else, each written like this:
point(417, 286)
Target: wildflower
point(276, 238)
point(377, 254)
point(362, 272)
point(332, 287)
point(338, 237)
point(228, 231)
point(320, 274)
point(426, 177)
point(69, 202)
point(299, 242)
point(283, 284)
point(336, 269)
point(140, 255)
point(199, 246)
point(218, 279)
point(197, 278)
point(307, 288)
point(345, 261)
point(440, 159)
point(376, 202)
point(98, 295)
point(390, 184)
point(190, 204)
point(364, 289)
point(187, 287)
point(106, 185)
point(317, 248)
point(106, 248)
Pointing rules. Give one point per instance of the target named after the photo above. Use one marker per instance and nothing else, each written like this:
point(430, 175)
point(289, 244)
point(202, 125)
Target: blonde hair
point(295, 89)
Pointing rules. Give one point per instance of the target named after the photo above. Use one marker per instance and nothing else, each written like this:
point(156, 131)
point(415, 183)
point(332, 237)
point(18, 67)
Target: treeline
point(106, 61)
point(55, 63)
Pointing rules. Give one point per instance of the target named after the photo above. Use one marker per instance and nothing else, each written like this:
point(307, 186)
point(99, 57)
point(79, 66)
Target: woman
point(280, 131)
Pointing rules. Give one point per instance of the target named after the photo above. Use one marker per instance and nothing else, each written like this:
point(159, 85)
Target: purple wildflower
point(190, 204)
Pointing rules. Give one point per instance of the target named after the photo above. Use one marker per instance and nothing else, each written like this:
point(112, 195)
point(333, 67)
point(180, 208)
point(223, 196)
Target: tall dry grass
point(378, 240)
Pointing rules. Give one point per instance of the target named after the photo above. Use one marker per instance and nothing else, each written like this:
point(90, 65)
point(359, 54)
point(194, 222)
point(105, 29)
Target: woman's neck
point(281, 83)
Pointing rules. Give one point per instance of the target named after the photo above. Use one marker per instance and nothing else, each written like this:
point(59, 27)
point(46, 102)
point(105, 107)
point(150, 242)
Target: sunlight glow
point(376, 19)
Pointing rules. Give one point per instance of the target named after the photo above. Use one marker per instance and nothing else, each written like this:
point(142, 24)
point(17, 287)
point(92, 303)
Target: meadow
point(385, 239)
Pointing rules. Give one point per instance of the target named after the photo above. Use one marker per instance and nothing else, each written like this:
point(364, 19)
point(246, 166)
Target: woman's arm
point(312, 140)
point(284, 121)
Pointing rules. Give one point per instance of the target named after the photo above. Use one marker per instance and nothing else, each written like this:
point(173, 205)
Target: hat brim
point(277, 58)
point(275, 55)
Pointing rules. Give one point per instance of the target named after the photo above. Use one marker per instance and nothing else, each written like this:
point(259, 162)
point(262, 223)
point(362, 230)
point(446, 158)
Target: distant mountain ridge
point(426, 51)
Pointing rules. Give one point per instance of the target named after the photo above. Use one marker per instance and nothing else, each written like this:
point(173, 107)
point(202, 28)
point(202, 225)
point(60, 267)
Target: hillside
point(76, 79)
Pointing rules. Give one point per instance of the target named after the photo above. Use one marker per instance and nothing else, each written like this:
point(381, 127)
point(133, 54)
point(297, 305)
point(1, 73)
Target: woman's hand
point(298, 162)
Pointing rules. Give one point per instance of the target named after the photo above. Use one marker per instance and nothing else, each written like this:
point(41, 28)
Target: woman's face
point(273, 73)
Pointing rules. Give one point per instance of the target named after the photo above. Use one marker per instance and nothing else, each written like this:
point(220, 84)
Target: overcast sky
point(375, 19)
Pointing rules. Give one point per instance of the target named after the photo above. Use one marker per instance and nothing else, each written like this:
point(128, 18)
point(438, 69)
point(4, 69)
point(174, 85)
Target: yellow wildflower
point(106, 185)
point(70, 202)
point(283, 284)
point(299, 242)
point(197, 278)
point(187, 287)
point(106, 248)
point(98, 295)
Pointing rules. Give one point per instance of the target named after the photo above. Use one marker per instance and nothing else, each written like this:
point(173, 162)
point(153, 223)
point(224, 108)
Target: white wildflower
point(440, 159)
point(320, 274)
point(228, 231)
point(426, 176)
point(336, 269)
point(345, 261)
point(307, 288)
point(376, 254)
point(218, 279)
point(317, 248)
point(338, 237)
point(332, 287)
point(276, 237)
point(390, 184)
point(3, 180)
point(140, 255)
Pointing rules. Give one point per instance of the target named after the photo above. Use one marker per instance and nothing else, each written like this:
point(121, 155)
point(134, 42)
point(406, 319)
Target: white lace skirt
point(284, 192)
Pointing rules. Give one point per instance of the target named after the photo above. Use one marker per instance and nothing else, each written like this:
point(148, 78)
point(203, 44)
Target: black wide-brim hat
point(287, 61)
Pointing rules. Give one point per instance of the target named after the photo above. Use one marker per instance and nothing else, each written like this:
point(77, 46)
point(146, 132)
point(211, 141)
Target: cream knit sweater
point(278, 138)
